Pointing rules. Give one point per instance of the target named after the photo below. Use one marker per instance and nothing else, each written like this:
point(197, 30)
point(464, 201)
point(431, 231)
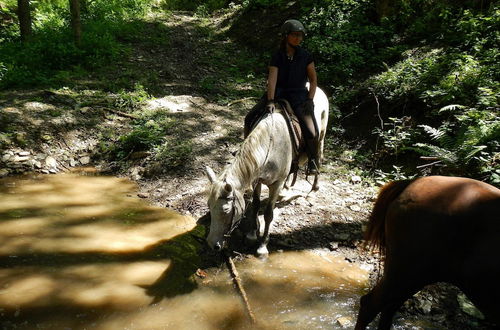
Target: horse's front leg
point(274, 191)
point(253, 215)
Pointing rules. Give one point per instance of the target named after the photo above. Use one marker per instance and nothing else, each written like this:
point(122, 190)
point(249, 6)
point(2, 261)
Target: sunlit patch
point(32, 289)
point(82, 250)
point(38, 106)
point(180, 103)
point(71, 213)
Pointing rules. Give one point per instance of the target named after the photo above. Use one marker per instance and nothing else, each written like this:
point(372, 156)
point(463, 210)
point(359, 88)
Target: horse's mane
point(251, 155)
point(375, 231)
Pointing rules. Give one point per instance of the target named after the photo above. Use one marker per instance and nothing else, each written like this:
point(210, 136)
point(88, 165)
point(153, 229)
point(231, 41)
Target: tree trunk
point(24, 15)
point(74, 6)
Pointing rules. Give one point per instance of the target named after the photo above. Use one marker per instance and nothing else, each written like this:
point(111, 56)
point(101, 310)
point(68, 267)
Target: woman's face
point(294, 38)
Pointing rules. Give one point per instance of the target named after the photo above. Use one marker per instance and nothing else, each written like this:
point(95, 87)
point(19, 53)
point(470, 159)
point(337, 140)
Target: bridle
point(234, 224)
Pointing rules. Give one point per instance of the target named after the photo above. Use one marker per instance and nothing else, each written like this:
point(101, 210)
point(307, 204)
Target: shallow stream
point(81, 251)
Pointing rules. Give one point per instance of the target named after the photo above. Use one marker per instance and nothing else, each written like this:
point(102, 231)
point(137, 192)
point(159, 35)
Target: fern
point(451, 107)
point(468, 141)
point(449, 157)
point(435, 133)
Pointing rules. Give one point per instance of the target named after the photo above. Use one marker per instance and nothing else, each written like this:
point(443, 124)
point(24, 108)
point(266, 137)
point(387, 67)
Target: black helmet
point(292, 25)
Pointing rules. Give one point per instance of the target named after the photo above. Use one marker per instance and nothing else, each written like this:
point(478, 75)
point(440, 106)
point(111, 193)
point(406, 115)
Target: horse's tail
point(375, 232)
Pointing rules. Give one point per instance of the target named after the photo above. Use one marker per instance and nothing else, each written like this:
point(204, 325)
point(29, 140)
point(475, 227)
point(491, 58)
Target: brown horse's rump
point(435, 229)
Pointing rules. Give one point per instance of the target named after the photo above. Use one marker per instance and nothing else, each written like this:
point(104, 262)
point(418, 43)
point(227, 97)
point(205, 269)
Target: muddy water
point(82, 252)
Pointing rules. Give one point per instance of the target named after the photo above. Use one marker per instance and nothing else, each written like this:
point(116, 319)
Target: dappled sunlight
point(115, 284)
point(26, 289)
point(81, 251)
point(71, 213)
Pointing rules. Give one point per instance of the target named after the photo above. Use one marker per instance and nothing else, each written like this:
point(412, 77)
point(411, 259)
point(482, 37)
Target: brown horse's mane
point(375, 232)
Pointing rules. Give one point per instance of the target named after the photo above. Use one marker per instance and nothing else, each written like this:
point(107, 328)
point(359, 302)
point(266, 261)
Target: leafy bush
point(143, 137)
point(132, 99)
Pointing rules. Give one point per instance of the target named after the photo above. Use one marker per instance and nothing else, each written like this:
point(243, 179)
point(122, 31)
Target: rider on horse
point(291, 67)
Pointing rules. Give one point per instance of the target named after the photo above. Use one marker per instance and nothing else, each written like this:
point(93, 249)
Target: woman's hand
point(270, 106)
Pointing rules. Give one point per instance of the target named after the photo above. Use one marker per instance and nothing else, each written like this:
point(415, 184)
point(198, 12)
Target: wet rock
point(23, 153)
point(344, 322)
point(85, 160)
point(355, 179)
point(355, 208)
point(467, 307)
point(6, 157)
point(4, 172)
point(50, 163)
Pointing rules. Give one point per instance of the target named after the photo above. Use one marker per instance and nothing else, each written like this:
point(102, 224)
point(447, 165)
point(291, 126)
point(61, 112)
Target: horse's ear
point(228, 189)
point(210, 174)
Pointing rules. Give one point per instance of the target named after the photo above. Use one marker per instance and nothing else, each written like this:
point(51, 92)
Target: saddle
point(298, 142)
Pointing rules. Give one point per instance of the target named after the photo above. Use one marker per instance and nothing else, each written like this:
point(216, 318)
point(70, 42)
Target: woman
point(291, 67)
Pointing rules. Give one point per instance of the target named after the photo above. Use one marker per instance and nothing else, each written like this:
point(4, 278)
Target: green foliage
point(395, 136)
point(344, 40)
point(451, 57)
point(131, 100)
point(52, 50)
point(141, 138)
point(203, 7)
point(174, 154)
point(469, 142)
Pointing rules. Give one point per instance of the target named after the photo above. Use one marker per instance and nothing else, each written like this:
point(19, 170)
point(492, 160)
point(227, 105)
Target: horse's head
point(226, 209)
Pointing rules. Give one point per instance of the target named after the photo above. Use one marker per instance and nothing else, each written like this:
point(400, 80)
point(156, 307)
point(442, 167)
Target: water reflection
point(81, 251)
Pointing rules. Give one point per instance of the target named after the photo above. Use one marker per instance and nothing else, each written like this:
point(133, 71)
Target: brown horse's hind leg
point(367, 311)
point(385, 298)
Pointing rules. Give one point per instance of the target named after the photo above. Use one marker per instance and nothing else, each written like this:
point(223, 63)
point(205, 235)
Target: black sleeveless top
point(292, 73)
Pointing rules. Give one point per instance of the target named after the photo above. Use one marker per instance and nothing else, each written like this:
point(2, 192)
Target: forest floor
point(331, 219)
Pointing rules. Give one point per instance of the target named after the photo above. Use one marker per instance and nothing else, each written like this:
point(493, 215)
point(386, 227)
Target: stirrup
point(312, 168)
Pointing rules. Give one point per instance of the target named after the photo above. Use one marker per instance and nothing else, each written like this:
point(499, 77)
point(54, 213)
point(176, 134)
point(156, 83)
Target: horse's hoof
point(262, 252)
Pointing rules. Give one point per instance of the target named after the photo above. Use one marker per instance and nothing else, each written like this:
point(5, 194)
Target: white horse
point(264, 157)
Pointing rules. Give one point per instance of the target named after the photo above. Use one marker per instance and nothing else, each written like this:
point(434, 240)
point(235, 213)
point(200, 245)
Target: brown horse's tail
point(375, 232)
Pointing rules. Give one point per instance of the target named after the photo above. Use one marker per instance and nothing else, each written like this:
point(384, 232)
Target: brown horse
point(434, 229)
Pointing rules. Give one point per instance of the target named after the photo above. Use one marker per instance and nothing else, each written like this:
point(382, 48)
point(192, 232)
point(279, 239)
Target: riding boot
point(312, 153)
